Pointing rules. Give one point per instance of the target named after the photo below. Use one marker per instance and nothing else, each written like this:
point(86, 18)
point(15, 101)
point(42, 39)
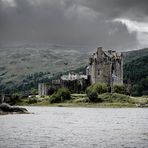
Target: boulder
point(6, 108)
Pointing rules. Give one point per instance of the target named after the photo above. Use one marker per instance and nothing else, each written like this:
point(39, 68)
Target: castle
point(104, 67)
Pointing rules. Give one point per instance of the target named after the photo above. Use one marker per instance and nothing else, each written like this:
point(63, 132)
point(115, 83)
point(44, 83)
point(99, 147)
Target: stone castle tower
point(106, 67)
point(42, 89)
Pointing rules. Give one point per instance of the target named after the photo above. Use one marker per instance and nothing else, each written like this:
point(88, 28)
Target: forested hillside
point(136, 71)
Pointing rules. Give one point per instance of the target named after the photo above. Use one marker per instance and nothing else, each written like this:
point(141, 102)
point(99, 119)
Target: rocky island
point(8, 109)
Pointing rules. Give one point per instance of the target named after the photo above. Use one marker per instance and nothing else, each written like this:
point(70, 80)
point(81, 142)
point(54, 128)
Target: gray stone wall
point(42, 89)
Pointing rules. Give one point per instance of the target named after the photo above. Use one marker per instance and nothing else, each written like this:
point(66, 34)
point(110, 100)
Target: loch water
point(60, 127)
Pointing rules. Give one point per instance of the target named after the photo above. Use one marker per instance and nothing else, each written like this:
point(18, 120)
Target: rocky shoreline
point(8, 109)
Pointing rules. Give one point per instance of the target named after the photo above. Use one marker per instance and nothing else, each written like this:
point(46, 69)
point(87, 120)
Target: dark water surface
point(75, 127)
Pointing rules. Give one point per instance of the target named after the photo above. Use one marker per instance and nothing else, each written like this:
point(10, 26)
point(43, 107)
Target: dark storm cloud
point(119, 8)
point(76, 22)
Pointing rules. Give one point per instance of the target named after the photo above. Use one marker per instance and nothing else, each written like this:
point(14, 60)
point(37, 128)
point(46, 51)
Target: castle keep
point(106, 67)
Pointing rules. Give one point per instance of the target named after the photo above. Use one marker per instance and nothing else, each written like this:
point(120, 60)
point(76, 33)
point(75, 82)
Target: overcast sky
point(113, 24)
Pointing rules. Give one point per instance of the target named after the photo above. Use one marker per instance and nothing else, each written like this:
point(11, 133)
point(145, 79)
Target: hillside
point(136, 65)
point(23, 66)
point(136, 71)
point(135, 54)
point(18, 62)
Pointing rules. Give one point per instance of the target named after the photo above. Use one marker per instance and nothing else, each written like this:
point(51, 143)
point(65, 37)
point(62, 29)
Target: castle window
point(98, 72)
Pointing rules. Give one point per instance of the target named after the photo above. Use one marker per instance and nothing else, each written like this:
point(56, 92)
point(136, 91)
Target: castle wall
point(42, 89)
point(118, 72)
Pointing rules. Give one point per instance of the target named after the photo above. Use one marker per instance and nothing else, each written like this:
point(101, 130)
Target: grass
point(114, 97)
point(140, 100)
point(81, 100)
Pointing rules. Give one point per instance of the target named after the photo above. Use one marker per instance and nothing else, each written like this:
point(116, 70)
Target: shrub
point(99, 88)
point(95, 89)
point(32, 100)
point(119, 89)
point(55, 98)
point(34, 91)
point(93, 97)
point(60, 96)
point(14, 98)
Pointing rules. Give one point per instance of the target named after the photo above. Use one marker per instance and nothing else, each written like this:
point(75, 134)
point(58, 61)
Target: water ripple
point(53, 127)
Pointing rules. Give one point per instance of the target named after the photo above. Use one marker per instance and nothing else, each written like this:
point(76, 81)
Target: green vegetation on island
point(96, 95)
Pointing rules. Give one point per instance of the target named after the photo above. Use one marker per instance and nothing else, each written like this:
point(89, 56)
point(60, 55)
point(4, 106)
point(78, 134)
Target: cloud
point(133, 14)
point(119, 8)
point(141, 29)
point(134, 25)
point(74, 22)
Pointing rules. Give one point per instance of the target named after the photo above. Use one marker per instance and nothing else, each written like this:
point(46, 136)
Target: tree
point(60, 96)
point(119, 89)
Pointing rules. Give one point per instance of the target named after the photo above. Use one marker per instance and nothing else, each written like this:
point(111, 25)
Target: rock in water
point(4, 107)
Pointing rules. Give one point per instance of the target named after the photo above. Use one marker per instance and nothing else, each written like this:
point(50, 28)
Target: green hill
point(135, 54)
point(136, 71)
